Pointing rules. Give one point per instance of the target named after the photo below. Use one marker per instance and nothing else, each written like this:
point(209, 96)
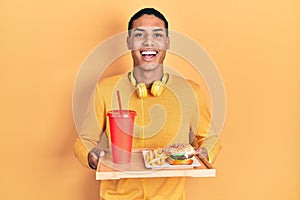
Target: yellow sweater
point(179, 115)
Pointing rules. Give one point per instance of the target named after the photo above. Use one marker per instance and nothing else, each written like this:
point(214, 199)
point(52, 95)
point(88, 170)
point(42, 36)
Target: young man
point(169, 110)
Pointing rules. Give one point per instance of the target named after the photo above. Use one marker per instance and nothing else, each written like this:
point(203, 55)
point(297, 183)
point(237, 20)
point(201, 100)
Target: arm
point(87, 147)
point(205, 138)
point(88, 158)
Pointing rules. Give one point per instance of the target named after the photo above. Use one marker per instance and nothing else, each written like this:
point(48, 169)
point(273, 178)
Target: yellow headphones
point(156, 88)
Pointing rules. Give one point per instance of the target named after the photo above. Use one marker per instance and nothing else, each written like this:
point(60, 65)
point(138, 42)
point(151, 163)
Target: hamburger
point(180, 154)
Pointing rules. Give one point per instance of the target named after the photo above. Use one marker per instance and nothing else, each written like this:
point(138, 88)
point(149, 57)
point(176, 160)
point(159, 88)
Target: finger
point(102, 153)
point(94, 157)
point(99, 152)
point(93, 160)
point(198, 150)
point(204, 155)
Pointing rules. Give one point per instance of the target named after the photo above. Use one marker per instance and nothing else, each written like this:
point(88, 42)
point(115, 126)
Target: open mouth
point(148, 54)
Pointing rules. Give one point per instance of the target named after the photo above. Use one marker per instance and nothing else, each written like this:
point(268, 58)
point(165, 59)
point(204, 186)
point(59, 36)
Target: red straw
point(119, 101)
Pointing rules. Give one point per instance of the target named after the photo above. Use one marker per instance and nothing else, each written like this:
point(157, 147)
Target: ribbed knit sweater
point(179, 115)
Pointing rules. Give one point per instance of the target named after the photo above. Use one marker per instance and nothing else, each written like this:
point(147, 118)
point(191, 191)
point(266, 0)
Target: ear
point(168, 43)
point(129, 46)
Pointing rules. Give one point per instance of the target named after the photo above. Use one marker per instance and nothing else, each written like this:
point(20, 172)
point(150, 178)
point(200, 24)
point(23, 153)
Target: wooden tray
point(108, 170)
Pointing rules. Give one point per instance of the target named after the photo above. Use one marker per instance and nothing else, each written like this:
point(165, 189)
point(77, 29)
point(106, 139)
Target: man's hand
point(203, 153)
point(93, 157)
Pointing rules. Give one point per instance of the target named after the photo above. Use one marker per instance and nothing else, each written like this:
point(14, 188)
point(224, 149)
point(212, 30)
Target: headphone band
point(156, 88)
point(134, 82)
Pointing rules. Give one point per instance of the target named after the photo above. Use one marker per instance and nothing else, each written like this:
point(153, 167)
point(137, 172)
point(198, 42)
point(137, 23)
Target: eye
point(158, 35)
point(138, 35)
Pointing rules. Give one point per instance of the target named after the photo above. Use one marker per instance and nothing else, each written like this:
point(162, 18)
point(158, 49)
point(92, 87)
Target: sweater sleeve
point(81, 152)
point(205, 135)
point(91, 130)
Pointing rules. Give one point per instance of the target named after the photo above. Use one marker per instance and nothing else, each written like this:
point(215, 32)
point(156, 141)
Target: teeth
point(149, 52)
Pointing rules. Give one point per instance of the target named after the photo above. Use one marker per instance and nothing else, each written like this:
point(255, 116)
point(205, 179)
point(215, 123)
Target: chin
point(149, 66)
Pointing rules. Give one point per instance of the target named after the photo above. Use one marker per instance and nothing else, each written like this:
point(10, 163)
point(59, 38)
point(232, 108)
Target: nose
point(148, 41)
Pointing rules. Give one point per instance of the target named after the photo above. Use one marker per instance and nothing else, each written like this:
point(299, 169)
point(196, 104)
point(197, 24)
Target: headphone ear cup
point(157, 88)
point(141, 90)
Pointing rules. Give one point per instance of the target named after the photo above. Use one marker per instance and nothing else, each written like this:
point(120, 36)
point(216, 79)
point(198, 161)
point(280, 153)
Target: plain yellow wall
point(255, 45)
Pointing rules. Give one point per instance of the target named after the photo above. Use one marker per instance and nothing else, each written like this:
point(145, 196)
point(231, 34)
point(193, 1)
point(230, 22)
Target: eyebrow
point(139, 29)
point(158, 29)
point(154, 30)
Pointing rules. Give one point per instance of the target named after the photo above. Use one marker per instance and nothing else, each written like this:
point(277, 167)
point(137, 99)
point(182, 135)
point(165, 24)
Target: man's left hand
point(203, 153)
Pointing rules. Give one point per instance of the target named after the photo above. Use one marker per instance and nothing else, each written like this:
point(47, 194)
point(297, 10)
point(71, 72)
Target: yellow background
point(255, 45)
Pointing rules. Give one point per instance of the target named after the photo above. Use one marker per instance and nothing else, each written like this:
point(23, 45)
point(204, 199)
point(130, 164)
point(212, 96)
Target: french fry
point(156, 156)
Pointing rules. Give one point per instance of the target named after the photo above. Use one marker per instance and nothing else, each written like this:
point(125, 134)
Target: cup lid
point(123, 114)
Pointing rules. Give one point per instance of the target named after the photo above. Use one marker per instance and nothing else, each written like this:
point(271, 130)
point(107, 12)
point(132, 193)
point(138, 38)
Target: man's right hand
point(93, 157)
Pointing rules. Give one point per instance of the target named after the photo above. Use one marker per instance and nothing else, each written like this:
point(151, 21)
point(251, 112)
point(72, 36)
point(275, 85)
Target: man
point(169, 110)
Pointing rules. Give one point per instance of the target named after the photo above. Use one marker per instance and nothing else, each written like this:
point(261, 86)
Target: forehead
point(148, 21)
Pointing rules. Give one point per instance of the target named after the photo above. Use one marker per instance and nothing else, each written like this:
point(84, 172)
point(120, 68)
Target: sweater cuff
point(81, 152)
point(213, 153)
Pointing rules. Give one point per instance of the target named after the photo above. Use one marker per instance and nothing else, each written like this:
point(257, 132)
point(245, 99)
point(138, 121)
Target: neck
point(147, 76)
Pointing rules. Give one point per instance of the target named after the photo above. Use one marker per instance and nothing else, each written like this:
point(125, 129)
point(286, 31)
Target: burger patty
point(180, 157)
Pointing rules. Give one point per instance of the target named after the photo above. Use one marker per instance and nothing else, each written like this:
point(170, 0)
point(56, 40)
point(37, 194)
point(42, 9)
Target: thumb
point(93, 160)
point(94, 155)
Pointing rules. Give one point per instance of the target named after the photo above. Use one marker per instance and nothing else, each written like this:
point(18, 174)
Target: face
point(148, 42)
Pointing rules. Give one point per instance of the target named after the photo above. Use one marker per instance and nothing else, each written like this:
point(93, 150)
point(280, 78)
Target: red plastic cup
point(121, 125)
